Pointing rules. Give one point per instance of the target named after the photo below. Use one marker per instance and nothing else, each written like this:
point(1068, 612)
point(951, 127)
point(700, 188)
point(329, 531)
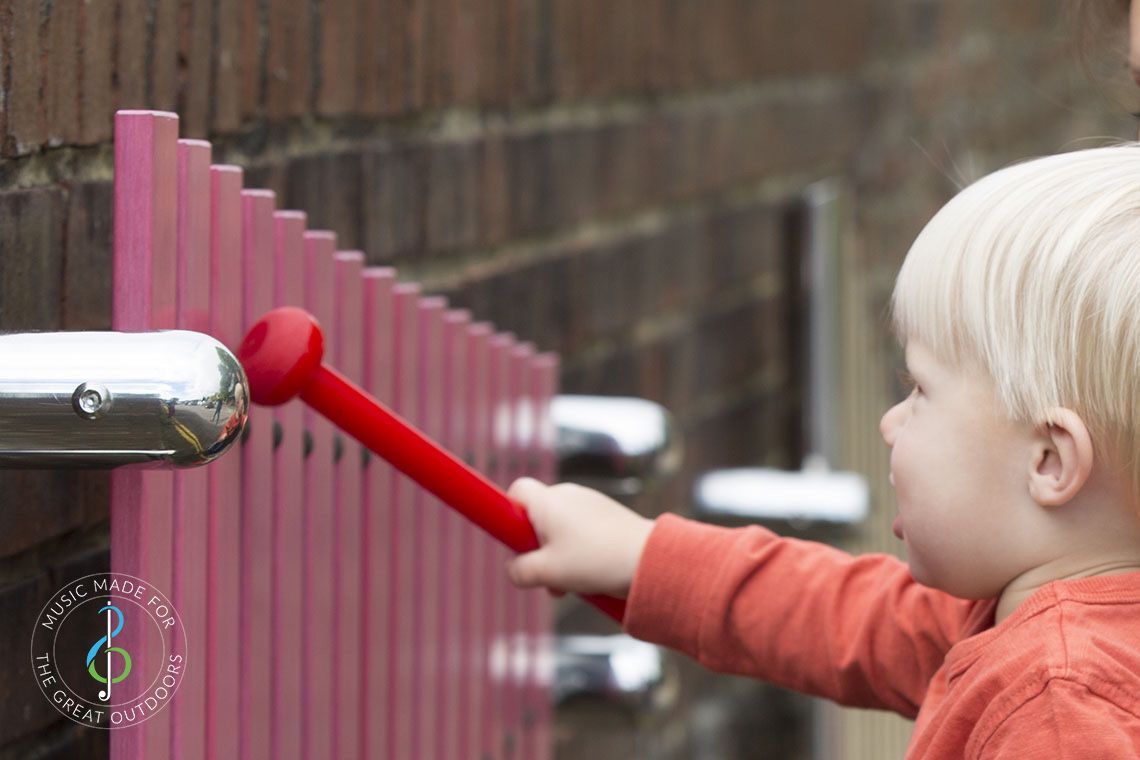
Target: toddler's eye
point(908, 381)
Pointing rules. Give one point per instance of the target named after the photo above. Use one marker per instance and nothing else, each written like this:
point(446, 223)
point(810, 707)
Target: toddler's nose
point(889, 424)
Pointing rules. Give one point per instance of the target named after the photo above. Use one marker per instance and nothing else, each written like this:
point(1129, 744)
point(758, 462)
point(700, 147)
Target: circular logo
point(109, 650)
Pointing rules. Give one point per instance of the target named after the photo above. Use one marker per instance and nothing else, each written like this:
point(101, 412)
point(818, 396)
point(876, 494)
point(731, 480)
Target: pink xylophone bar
point(282, 355)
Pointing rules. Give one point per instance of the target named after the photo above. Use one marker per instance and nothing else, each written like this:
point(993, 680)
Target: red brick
point(253, 60)
point(809, 37)
point(340, 31)
point(131, 61)
point(21, 702)
point(530, 182)
point(671, 61)
point(31, 237)
point(38, 505)
point(87, 255)
point(621, 27)
point(370, 52)
point(96, 95)
point(228, 68)
point(574, 162)
point(26, 128)
point(564, 49)
point(453, 196)
point(391, 57)
point(464, 59)
point(511, 52)
point(94, 495)
point(269, 176)
point(63, 740)
point(590, 49)
point(327, 188)
point(491, 35)
point(288, 59)
point(494, 210)
point(195, 46)
point(416, 56)
point(534, 63)
point(623, 161)
point(163, 63)
point(442, 21)
point(553, 321)
point(735, 343)
point(5, 67)
point(395, 194)
point(62, 73)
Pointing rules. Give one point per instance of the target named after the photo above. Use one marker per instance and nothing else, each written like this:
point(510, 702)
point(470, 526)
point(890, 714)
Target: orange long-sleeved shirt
point(1059, 678)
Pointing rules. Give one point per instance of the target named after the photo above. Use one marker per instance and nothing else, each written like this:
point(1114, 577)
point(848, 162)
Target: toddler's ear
point(1062, 459)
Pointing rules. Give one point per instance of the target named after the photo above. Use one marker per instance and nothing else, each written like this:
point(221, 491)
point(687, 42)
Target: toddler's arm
point(803, 615)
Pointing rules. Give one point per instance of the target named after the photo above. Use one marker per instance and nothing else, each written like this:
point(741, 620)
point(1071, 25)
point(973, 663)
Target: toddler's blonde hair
point(1032, 274)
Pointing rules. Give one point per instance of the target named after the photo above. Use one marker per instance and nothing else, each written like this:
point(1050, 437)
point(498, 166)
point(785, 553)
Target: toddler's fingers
point(528, 570)
point(528, 492)
point(525, 490)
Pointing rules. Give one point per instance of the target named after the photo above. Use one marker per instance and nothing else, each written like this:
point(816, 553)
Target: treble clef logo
point(92, 653)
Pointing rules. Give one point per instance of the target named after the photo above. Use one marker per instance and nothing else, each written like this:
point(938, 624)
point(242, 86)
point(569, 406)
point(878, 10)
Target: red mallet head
point(280, 353)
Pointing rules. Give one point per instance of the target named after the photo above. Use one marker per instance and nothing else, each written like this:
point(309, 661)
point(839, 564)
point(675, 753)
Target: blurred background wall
point(619, 181)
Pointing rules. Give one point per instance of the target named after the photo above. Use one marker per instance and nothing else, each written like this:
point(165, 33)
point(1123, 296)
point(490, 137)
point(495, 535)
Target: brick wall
point(609, 179)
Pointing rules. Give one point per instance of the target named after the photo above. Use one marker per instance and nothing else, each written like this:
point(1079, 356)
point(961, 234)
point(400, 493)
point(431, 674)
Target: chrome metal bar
point(171, 398)
point(801, 499)
point(617, 669)
point(618, 445)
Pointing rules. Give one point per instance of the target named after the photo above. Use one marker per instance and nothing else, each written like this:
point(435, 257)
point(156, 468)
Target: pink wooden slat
point(403, 693)
point(377, 596)
point(257, 501)
point(545, 383)
point(456, 538)
point(347, 357)
point(502, 701)
point(479, 607)
point(191, 486)
point(521, 442)
point(223, 591)
point(431, 720)
point(287, 711)
point(319, 613)
point(518, 442)
point(143, 274)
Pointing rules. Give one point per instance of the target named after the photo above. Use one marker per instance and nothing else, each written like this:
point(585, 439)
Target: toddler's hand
point(588, 543)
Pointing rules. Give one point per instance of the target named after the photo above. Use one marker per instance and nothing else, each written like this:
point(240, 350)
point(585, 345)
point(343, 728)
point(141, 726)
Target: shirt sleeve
point(806, 616)
point(1064, 721)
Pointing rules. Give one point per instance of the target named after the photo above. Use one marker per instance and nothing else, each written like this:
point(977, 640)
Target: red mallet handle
point(282, 354)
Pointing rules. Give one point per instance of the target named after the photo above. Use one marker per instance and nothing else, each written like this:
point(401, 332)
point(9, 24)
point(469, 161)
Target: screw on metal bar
point(530, 718)
point(278, 434)
point(338, 447)
point(91, 400)
point(365, 457)
point(306, 444)
point(509, 743)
